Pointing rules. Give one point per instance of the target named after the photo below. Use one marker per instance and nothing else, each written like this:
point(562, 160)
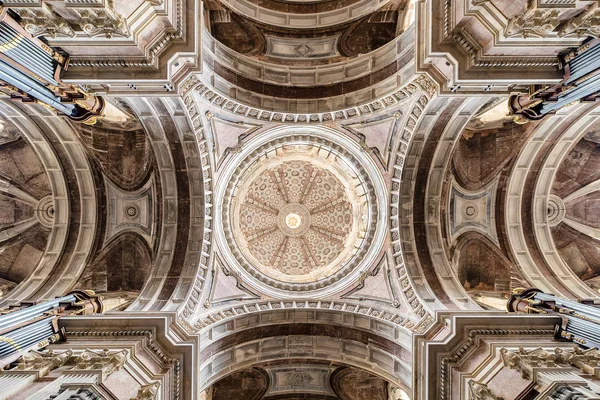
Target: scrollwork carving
point(525, 361)
point(480, 391)
point(107, 361)
point(147, 392)
point(588, 361)
point(534, 21)
point(43, 20)
point(585, 24)
point(102, 21)
point(43, 362)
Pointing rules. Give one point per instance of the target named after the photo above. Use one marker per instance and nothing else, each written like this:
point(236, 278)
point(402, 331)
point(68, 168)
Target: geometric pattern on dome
point(296, 196)
point(299, 213)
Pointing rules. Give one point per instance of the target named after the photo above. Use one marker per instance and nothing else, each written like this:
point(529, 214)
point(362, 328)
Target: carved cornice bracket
point(107, 361)
point(43, 362)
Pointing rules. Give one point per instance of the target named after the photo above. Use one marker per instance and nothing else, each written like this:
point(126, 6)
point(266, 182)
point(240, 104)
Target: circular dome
point(300, 214)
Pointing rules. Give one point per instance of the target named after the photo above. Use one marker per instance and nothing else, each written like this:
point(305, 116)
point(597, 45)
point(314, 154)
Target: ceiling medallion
point(300, 213)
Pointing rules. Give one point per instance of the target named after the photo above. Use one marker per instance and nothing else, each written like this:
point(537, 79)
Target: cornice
point(385, 103)
point(282, 19)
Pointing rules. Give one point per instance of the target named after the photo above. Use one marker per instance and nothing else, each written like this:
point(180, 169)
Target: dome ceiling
point(300, 214)
point(297, 221)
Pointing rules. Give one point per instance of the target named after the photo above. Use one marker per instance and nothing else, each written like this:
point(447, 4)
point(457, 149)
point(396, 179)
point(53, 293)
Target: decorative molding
point(472, 211)
point(473, 337)
point(148, 392)
point(299, 48)
point(266, 71)
point(102, 21)
point(131, 210)
point(154, 51)
point(283, 19)
point(107, 361)
point(527, 362)
point(195, 296)
point(208, 94)
point(423, 88)
point(585, 24)
point(389, 364)
point(43, 20)
point(521, 49)
point(360, 174)
point(95, 18)
point(42, 362)
point(343, 306)
point(149, 341)
point(533, 21)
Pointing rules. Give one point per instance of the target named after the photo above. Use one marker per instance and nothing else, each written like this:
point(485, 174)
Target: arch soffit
point(566, 127)
point(158, 292)
point(34, 288)
point(305, 341)
point(451, 116)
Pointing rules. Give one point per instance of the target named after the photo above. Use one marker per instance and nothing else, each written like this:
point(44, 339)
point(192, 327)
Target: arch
point(423, 246)
point(355, 347)
point(182, 173)
point(534, 249)
point(74, 203)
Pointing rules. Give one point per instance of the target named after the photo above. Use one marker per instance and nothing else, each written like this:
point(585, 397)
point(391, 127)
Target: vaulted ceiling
point(302, 180)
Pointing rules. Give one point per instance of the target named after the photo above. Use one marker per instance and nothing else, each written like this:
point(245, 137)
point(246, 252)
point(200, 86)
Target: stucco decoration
point(295, 220)
point(299, 212)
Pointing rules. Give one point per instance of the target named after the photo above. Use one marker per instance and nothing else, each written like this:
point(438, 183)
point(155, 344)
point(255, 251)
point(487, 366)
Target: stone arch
point(183, 243)
point(529, 205)
point(363, 341)
point(73, 202)
point(320, 342)
point(424, 248)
